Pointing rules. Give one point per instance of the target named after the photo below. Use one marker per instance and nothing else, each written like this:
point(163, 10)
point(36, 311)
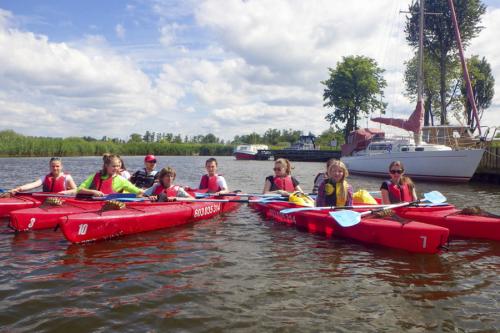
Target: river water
point(241, 272)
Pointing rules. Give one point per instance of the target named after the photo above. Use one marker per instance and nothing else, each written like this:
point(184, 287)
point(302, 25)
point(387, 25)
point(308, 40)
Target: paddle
point(270, 195)
point(300, 209)
point(349, 218)
point(434, 197)
point(111, 196)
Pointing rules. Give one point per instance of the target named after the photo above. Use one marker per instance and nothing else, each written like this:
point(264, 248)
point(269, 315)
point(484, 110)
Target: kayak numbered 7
point(392, 232)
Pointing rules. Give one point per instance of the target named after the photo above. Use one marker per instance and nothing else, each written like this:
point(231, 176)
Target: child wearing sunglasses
point(399, 188)
point(282, 182)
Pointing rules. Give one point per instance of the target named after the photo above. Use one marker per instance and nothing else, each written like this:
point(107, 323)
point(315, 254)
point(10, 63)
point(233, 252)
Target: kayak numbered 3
point(138, 217)
point(460, 224)
point(18, 201)
point(389, 232)
point(47, 215)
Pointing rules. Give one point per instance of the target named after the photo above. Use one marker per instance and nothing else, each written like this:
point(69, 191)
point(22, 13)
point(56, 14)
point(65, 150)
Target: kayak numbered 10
point(387, 231)
point(136, 217)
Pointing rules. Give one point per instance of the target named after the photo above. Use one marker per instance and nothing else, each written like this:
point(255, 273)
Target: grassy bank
point(13, 144)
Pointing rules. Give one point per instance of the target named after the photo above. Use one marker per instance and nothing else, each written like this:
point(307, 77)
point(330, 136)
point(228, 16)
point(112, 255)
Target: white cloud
point(79, 90)
point(120, 31)
point(259, 65)
point(484, 46)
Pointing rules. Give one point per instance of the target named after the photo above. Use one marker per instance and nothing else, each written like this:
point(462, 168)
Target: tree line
point(355, 87)
point(15, 144)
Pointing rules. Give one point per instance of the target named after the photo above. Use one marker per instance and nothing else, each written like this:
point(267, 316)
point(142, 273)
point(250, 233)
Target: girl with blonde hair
point(335, 191)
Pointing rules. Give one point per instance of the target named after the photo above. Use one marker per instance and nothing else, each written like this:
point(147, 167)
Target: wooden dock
point(488, 170)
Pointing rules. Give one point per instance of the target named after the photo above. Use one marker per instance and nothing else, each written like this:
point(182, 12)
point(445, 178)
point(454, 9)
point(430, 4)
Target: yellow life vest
point(363, 197)
point(301, 199)
point(330, 188)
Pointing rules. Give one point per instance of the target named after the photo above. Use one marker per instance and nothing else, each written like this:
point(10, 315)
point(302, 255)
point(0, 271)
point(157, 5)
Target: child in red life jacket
point(56, 181)
point(399, 188)
point(335, 191)
point(108, 180)
point(165, 190)
point(282, 182)
point(213, 182)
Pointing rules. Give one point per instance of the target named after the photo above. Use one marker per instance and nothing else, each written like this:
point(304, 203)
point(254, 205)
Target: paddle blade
point(346, 218)
point(293, 210)
point(435, 197)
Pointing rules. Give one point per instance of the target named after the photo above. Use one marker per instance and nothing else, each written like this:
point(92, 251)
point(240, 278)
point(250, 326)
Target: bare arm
point(27, 187)
point(385, 197)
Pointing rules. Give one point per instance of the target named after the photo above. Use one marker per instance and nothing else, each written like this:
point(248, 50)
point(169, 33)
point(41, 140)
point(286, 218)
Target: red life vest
point(209, 183)
point(399, 193)
point(52, 184)
point(105, 186)
point(282, 183)
point(169, 192)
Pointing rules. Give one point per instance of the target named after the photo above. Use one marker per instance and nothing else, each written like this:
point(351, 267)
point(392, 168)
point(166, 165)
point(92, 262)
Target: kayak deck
point(405, 235)
point(47, 216)
point(16, 202)
point(460, 225)
point(138, 217)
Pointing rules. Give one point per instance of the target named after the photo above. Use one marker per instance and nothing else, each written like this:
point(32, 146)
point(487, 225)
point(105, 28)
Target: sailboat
point(370, 151)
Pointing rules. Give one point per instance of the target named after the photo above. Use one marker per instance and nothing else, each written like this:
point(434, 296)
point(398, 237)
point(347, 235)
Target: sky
point(227, 67)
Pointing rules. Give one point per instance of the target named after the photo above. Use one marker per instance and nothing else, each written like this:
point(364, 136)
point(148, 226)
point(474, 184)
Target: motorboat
point(248, 152)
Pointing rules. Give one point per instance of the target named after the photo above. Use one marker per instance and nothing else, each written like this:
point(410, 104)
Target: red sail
point(414, 123)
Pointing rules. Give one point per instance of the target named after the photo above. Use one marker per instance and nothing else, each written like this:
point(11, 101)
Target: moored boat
point(389, 232)
point(248, 152)
point(138, 217)
point(18, 201)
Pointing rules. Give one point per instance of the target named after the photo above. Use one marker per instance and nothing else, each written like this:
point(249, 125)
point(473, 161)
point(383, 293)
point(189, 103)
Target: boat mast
point(470, 93)
point(420, 71)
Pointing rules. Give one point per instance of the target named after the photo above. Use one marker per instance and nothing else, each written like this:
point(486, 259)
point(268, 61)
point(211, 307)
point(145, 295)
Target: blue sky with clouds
point(193, 67)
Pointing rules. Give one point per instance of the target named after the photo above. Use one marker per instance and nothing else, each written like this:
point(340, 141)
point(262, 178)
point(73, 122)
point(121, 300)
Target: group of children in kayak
point(112, 178)
point(331, 186)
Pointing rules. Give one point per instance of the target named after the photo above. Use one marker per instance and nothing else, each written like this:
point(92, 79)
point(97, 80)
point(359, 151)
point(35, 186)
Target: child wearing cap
point(146, 177)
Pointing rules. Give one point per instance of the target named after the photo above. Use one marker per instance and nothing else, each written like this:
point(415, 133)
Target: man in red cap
point(146, 177)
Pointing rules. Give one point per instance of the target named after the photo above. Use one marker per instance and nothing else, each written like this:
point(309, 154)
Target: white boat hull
point(451, 165)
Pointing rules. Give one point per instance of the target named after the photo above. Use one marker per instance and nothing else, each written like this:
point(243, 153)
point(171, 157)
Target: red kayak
point(459, 224)
point(47, 215)
point(394, 233)
point(18, 201)
point(138, 217)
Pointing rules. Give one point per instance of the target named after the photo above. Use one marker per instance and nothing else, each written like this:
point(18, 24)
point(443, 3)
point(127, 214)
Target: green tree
point(329, 135)
point(272, 136)
point(135, 137)
point(439, 39)
point(355, 87)
point(483, 86)
point(431, 85)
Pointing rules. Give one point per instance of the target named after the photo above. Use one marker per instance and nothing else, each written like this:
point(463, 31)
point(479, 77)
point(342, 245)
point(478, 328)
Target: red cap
point(150, 158)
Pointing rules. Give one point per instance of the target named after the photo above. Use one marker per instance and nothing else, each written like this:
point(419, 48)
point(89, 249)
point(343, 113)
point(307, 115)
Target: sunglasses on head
point(396, 171)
